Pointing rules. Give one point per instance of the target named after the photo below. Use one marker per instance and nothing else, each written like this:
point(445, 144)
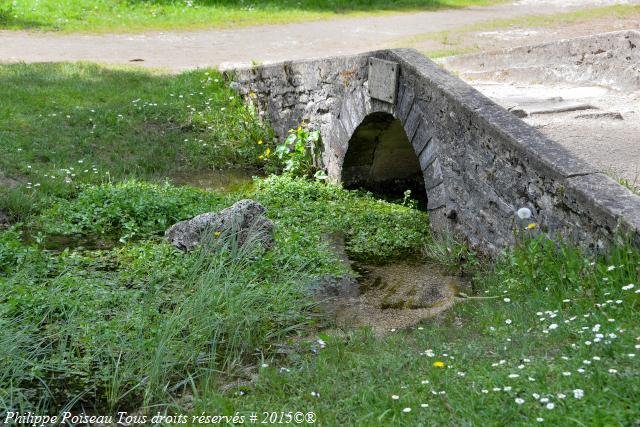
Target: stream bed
point(386, 297)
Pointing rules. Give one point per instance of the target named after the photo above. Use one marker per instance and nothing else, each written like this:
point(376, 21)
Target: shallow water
point(60, 242)
point(386, 297)
point(223, 180)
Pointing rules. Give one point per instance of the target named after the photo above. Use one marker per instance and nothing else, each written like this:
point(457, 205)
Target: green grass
point(455, 42)
point(64, 125)
point(138, 15)
point(142, 323)
point(632, 185)
point(536, 340)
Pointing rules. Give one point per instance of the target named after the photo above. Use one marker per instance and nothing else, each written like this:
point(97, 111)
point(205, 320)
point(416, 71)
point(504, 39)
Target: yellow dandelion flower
point(260, 142)
point(217, 233)
point(438, 364)
point(261, 157)
point(268, 152)
point(532, 226)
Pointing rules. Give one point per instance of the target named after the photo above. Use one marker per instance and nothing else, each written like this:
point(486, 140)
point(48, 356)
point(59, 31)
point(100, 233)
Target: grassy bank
point(64, 125)
point(128, 16)
point(550, 335)
point(553, 341)
point(86, 151)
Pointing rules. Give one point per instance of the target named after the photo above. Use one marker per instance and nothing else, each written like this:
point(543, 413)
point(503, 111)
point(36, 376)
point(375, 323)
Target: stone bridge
point(394, 115)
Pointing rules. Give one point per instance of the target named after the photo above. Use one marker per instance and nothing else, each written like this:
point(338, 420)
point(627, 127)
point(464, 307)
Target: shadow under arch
point(380, 158)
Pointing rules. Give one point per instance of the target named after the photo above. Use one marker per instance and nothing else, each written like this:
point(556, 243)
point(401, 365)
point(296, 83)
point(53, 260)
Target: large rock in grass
point(242, 223)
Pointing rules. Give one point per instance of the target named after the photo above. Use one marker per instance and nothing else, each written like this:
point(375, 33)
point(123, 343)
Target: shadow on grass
point(68, 124)
point(10, 21)
point(338, 6)
point(136, 15)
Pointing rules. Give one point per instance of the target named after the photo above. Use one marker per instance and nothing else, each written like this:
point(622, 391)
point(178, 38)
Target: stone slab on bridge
point(392, 114)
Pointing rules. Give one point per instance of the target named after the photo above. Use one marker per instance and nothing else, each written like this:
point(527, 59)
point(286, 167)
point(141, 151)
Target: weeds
point(556, 343)
point(448, 252)
point(126, 210)
point(142, 324)
point(301, 153)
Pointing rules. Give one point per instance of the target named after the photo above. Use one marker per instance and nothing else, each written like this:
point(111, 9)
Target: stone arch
point(381, 158)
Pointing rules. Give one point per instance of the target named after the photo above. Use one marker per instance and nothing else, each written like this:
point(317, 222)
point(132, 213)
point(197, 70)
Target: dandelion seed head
point(524, 213)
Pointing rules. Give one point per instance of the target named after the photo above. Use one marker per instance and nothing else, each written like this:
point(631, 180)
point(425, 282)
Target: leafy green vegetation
point(139, 15)
point(126, 210)
point(301, 152)
point(64, 125)
point(374, 229)
point(143, 323)
point(553, 341)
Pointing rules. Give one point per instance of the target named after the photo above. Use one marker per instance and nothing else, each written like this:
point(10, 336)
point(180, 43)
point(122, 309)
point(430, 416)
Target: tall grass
point(117, 343)
point(229, 314)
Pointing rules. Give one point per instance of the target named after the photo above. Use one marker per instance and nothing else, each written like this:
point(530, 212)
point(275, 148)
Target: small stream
point(222, 180)
point(60, 242)
point(386, 297)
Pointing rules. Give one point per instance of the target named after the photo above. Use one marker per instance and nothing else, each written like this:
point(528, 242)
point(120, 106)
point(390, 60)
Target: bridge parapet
point(480, 163)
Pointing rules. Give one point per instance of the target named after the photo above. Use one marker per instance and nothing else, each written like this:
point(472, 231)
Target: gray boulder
point(241, 223)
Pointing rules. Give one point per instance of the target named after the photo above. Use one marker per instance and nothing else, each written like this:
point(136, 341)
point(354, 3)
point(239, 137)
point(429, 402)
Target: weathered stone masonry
point(479, 162)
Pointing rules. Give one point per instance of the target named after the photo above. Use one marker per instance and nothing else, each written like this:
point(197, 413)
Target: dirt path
point(177, 51)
